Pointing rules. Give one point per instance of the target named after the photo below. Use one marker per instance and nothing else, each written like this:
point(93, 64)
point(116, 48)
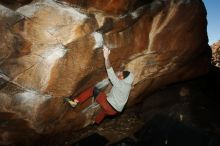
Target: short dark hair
point(125, 74)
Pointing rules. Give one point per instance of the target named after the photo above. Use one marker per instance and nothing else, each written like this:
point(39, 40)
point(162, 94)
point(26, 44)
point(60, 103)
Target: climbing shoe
point(71, 102)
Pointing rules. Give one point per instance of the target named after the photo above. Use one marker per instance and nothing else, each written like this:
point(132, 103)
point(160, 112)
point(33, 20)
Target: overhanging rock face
point(52, 49)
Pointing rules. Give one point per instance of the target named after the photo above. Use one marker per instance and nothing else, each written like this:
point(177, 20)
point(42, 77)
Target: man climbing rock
point(115, 100)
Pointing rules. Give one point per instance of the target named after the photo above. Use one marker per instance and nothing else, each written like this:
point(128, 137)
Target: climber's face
point(120, 75)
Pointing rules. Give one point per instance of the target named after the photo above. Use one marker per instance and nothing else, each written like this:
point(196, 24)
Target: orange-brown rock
point(110, 7)
point(52, 49)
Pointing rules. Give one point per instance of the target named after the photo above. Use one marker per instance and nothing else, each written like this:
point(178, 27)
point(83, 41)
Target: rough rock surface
point(52, 49)
point(216, 53)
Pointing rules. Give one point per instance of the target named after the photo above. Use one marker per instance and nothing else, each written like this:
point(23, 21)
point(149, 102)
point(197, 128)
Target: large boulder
point(52, 49)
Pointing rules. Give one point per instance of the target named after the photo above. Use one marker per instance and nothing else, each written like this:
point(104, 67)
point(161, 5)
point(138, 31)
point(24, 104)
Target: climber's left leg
point(107, 109)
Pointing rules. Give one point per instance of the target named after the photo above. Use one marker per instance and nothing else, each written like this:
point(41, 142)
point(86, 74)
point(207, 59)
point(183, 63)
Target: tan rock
point(216, 54)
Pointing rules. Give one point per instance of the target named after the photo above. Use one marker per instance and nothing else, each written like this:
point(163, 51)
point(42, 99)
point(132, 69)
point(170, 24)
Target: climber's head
point(127, 76)
point(120, 75)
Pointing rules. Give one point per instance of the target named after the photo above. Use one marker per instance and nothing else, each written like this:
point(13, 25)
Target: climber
point(112, 102)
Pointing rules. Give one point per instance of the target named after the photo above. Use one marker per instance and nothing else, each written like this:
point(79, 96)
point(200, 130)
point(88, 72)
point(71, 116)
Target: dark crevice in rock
point(14, 4)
